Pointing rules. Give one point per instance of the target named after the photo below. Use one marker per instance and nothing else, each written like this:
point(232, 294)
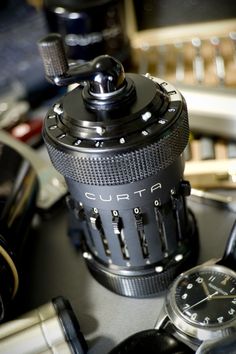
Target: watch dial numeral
point(199, 280)
point(234, 301)
point(193, 316)
point(212, 278)
point(206, 320)
point(220, 319)
point(231, 311)
point(225, 280)
point(186, 306)
point(184, 296)
point(189, 286)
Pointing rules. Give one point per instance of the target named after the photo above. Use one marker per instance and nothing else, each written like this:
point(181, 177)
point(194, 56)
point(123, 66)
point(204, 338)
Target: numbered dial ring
point(202, 301)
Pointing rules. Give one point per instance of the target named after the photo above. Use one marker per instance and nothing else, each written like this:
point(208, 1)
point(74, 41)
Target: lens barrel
point(50, 328)
point(121, 156)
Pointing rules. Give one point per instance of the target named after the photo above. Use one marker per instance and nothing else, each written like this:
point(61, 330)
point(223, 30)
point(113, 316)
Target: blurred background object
point(193, 45)
point(21, 70)
point(50, 328)
point(18, 193)
point(195, 49)
point(156, 14)
point(197, 38)
point(90, 28)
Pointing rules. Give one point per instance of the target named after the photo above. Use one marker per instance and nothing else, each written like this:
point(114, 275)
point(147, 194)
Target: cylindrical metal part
point(54, 56)
point(121, 156)
point(90, 28)
point(52, 327)
point(18, 191)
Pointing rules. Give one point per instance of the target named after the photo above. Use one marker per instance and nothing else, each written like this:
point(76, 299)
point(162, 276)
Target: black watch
point(201, 303)
point(200, 308)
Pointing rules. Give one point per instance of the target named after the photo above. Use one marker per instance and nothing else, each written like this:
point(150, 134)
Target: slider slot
point(161, 228)
point(123, 246)
point(178, 205)
point(96, 223)
point(178, 221)
point(105, 243)
point(141, 234)
point(118, 230)
point(143, 243)
point(78, 213)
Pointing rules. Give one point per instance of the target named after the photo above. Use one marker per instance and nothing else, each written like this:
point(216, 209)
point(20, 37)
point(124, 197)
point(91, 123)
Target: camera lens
point(121, 156)
point(50, 328)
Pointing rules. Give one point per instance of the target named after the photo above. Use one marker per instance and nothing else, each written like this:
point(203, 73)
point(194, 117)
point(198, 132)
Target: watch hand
point(208, 297)
point(224, 296)
point(197, 303)
point(205, 288)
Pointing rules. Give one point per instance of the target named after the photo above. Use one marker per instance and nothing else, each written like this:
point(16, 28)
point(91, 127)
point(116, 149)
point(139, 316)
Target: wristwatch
point(201, 303)
point(199, 312)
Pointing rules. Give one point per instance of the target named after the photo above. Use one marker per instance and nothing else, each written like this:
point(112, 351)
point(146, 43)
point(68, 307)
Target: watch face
point(206, 296)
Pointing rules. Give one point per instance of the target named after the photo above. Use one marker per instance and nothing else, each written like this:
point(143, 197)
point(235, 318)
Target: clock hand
point(224, 296)
point(205, 288)
point(208, 297)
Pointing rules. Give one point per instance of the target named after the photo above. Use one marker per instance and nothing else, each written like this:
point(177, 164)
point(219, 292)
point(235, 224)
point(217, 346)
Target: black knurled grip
point(53, 54)
point(122, 168)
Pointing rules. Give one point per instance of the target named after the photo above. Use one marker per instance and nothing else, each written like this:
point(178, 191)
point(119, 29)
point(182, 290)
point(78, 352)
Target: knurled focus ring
point(127, 167)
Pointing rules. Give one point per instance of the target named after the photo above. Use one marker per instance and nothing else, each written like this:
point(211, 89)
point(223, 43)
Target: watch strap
point(229, 257)
point(151, 341)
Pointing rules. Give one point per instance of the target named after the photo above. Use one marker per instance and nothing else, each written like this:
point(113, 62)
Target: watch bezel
point(187, 327)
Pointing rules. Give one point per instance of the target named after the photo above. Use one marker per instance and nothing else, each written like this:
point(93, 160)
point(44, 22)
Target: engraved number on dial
point(207, 297)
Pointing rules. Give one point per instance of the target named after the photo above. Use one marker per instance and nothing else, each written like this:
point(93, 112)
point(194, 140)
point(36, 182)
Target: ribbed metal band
point(142, 285)
point(134, 286)
point(122, 168)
